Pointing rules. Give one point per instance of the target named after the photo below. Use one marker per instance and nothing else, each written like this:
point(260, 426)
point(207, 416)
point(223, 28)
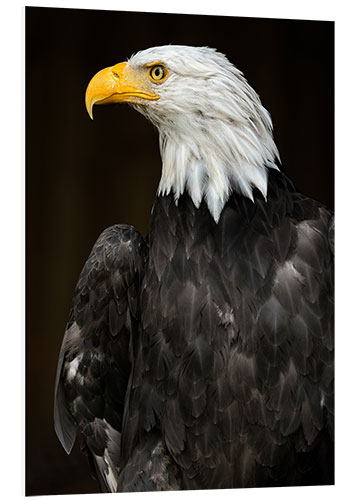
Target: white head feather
point(215, 135)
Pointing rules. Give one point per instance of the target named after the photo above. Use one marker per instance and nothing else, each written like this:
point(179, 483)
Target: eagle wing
point(282, 372)
point(281, 368)
point(95, 358)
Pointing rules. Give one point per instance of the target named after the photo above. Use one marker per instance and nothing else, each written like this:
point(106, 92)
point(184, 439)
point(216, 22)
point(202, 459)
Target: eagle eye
point(158, 72)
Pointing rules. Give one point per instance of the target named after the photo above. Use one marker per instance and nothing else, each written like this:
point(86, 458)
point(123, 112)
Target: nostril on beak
point(115, 74)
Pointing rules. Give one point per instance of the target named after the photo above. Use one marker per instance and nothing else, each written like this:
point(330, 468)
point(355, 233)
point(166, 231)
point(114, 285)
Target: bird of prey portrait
point(201, 356)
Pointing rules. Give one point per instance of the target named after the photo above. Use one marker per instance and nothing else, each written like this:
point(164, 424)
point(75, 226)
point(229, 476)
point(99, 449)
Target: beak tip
point(89, 108)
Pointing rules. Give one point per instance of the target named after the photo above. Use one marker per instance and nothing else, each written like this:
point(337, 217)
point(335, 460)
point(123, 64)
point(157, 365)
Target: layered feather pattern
point(235, 359)
point(95, 358)
point(211, 344)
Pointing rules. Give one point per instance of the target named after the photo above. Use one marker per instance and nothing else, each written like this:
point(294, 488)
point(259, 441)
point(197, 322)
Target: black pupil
point(158, 71)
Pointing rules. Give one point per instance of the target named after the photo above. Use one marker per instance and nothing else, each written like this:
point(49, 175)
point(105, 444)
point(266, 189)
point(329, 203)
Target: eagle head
point(215, 135)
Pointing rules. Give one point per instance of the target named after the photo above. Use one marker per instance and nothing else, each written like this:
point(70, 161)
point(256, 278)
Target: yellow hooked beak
point(117, 83)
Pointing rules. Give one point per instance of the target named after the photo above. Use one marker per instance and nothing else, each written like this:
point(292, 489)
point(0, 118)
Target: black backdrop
point(82, 176)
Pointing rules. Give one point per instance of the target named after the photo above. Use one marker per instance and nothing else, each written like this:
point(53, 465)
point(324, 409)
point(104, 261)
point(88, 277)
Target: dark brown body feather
point(229, 333)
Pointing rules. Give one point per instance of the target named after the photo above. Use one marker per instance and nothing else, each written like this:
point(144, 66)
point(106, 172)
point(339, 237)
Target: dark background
point(83, 175)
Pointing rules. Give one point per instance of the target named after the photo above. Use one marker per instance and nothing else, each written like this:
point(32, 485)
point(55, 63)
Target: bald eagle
point(202, 355)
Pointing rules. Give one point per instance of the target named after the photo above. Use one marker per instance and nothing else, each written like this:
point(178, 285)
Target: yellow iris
point(158, 72)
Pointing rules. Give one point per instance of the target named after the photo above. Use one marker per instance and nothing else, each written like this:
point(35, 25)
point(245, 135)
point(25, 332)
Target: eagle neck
point(210, 163)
